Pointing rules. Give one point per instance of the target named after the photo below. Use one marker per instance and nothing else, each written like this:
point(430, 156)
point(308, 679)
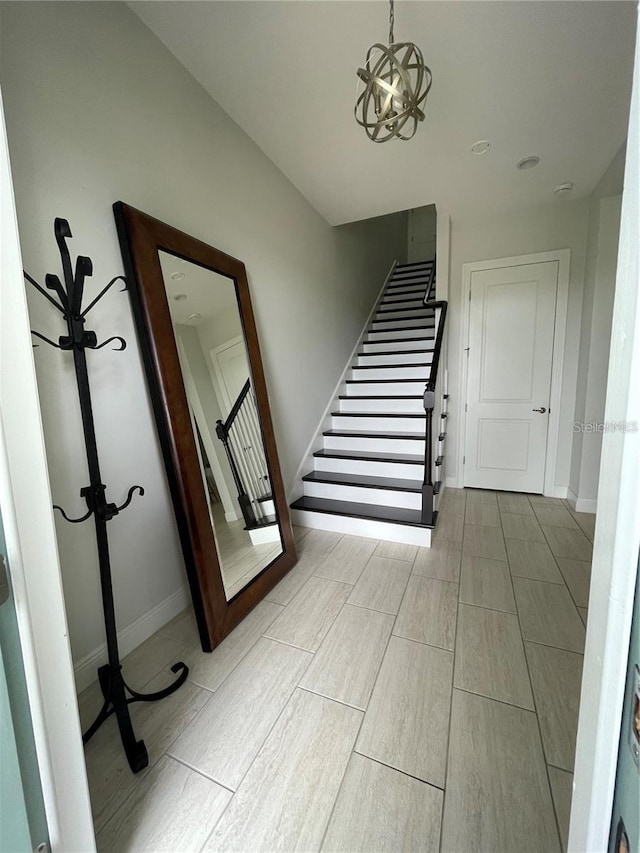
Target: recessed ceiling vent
point(529, 162)
point(563, 189)
point(480, 147)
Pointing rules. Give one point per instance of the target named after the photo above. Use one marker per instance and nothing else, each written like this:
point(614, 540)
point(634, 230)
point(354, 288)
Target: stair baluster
point(239, 434)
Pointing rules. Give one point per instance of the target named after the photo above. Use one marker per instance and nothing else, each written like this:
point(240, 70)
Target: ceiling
point(205, 292)
point(545, 78)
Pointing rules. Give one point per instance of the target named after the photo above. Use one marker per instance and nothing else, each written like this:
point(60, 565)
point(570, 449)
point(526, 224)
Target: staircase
point(377, 474)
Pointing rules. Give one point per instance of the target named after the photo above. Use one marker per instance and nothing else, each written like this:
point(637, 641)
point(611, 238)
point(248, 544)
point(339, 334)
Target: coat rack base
point(116, 701)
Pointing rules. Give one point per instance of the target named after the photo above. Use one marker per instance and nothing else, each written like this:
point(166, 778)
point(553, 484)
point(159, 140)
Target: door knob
point(542, 410)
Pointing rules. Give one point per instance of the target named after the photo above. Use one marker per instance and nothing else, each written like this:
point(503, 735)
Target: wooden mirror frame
point(141, 237)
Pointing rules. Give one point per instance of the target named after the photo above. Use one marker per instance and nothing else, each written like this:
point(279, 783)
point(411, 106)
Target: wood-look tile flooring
point(240, 559)
point(382, 698)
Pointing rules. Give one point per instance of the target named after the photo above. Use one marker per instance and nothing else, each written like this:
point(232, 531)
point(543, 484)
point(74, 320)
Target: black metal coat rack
point(117, 694)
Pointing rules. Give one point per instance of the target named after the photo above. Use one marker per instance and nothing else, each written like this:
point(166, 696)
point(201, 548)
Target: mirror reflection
point(224, 417)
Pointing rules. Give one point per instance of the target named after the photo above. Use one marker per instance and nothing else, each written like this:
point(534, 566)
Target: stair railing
point(430, 281)
point(429, 401)
point(242, 440)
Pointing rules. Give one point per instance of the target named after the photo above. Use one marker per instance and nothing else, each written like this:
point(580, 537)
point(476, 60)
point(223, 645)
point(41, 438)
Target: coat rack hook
point(41, 290)
point(102, 293)
point(130, 496)
point(72, 520)
point(123, 343)
point(42, 338)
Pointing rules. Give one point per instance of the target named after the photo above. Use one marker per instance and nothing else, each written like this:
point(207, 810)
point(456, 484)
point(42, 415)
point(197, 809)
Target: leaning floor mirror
point(198, 338)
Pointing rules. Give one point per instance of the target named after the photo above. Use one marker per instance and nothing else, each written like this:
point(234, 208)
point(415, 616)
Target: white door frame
point(617, 535)
point(25, 499)
point(562, 257)
point(214, 353)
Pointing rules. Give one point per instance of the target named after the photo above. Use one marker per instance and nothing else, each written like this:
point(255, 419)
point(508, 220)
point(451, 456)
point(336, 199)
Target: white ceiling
point(208, 293)
point(547, 78)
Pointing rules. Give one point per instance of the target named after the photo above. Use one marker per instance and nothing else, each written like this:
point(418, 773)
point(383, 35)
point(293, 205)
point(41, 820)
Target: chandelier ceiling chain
point(396, 82)
point(392, 18)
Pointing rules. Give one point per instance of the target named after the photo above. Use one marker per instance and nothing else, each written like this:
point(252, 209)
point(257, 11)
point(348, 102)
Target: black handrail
point(236, 406)
point(222, 431)
point(432, 276)
point(429, 400)
point(433, 374)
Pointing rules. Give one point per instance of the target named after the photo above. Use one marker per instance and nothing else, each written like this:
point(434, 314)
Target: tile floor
point(383, 697)
point(240, 559)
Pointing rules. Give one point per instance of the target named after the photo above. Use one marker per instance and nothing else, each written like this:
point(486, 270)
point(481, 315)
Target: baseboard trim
point(296, 488)
point(86, 669)
point(582, 504)
point(559, 492)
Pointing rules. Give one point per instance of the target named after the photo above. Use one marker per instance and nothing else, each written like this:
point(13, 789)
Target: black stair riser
point(371, 512)
point(361, 481)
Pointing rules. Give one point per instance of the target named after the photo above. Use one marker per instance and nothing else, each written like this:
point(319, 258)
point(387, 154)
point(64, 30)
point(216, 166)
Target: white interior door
point(232, 367)
point(511, 331)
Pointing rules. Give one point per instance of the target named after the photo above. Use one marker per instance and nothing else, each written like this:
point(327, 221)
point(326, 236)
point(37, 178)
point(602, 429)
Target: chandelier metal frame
point(396, 84)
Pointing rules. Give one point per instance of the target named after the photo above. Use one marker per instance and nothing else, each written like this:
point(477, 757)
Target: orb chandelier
point(394, 84)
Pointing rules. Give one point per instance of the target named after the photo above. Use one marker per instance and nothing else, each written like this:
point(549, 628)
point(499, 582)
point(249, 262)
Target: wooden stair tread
point(380, 397)
point(419, 304)
point(374, 512)
point(430, 325)
point(396, 340)
point(404, 292)
point(393, 352)
point(364, 481)
point(385, 381)
point(267, 521)
point(393, 436)
point(373, 456)
point(393, 365)
point(379, 414)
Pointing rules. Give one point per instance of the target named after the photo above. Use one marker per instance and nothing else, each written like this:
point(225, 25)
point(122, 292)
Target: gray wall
point(595, 331)
point(562, 225)
point(98, 110)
